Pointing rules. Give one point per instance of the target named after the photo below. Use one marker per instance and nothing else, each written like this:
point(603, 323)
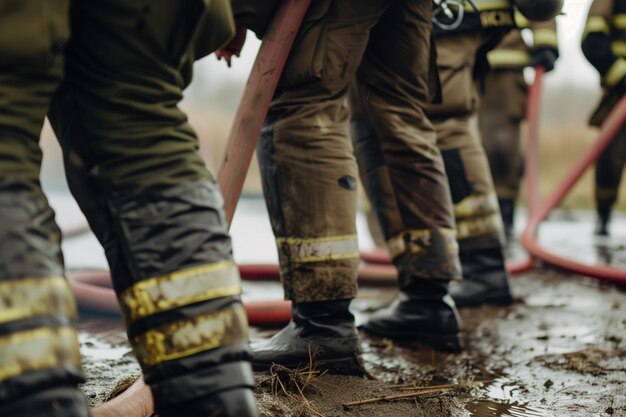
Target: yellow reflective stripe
point(37, 350)
point(180, 288)
point(508, 57)
point(521, 21)
point(479, 226)
point(476, 204)
point(545, 37)
point(188, 337)
point(30, 297)
point(596, 24)
point(615, 74)
point(318, 249)
point(488, 5)
point(418, 240)
point(619, 48)
point(619, 21)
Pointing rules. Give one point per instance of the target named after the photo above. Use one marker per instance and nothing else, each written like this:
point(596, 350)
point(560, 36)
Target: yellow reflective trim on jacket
point(181, 288)
point(619, 21)
point(545, 37)
point(615, 74)
point(479, 226)
point(188, 337)
point(318, 249)
point(477, 204)
point(418, 240)
point(619, 48)
point(596, 24)
point(521, 21)
point(31, 297)
point(508, 58)
point(37, 350)
point(488, 5)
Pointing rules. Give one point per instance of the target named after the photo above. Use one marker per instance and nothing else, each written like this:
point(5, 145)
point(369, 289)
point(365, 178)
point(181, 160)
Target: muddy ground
point(560, 350)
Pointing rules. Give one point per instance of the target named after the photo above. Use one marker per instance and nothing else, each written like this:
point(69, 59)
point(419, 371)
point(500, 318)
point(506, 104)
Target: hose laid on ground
point(93, 291)
point(608, 131)
point(136, 401)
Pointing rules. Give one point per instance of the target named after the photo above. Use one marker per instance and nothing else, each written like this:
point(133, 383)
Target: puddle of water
point(498, 398)
point(486, 408)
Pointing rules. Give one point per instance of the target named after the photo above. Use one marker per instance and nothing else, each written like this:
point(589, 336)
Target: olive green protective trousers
point(111, 92)
point(307, 159)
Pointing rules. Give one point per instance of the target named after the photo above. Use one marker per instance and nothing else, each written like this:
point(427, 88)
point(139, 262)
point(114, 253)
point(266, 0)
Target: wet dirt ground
point(560, 350)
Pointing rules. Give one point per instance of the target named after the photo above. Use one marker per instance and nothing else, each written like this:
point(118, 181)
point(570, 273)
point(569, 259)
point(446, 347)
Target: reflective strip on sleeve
point(188, 337)
point(318, 249)
point(479, 226)
point(476, 204)
point(545, 37)
point(31, 297)
point(418, 241)
point(180, 288)
point(596, 24)
point(38, 350)
point(521, 21)
point(619, 48)
point(508, 58)
point(619, 21)
point(615, 74)
point(489, 5)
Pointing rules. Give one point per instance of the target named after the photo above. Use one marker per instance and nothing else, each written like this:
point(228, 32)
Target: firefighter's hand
point(233, 48)
point(544, 57)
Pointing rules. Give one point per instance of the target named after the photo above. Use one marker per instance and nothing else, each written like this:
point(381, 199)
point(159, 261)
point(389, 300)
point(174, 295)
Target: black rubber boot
point(423, 314)
point(507, 210)
point(485, 279)
point(323, 331)
point(57, 402)
point(602, 222)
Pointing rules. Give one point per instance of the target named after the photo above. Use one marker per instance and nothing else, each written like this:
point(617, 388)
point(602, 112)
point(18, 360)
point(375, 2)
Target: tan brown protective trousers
point(476, 208)
point(307, 160)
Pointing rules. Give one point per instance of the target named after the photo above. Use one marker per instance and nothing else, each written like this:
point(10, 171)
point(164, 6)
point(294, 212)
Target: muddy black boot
point(485, 279)
point(507, 210)
point(602, 222)
point(425, 313)
point(323, 331)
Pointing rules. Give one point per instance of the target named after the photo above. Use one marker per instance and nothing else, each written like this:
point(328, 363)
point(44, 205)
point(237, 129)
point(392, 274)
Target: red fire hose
point(256, 100)
point(608, 131)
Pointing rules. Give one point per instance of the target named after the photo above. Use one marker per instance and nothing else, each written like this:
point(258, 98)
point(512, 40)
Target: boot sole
point(342, 366)
point(448, 342)
point(497, 298)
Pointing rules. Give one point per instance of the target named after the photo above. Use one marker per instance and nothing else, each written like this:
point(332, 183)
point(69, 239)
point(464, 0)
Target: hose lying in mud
point(136, 401)
point(608, 131)
point(93, 291)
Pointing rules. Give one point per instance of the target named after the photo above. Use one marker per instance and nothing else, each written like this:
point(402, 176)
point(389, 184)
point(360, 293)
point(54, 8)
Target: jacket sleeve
point(254, 14)
point(596, 43)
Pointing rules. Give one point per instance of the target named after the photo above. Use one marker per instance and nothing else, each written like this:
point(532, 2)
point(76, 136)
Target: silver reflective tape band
point(38, 349)
point(318, 249)
point(476, 204)
point(31, 297)
point(180, 288)
point(418, 240)
point(480, 226)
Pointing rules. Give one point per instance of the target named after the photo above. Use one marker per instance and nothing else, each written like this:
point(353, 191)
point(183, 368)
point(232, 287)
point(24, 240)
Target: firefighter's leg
point(404, 176)
point(39, 358)
point(309, 180)
point(134, 167)
point(502, 109)
point(609, 170)
point(478, 223)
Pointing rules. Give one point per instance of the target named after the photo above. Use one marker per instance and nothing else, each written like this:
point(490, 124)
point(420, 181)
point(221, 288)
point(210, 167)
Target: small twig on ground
point(426, 387)
point(395, 397)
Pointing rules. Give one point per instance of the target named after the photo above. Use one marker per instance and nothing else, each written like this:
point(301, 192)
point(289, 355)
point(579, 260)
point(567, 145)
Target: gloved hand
point(544, 57)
